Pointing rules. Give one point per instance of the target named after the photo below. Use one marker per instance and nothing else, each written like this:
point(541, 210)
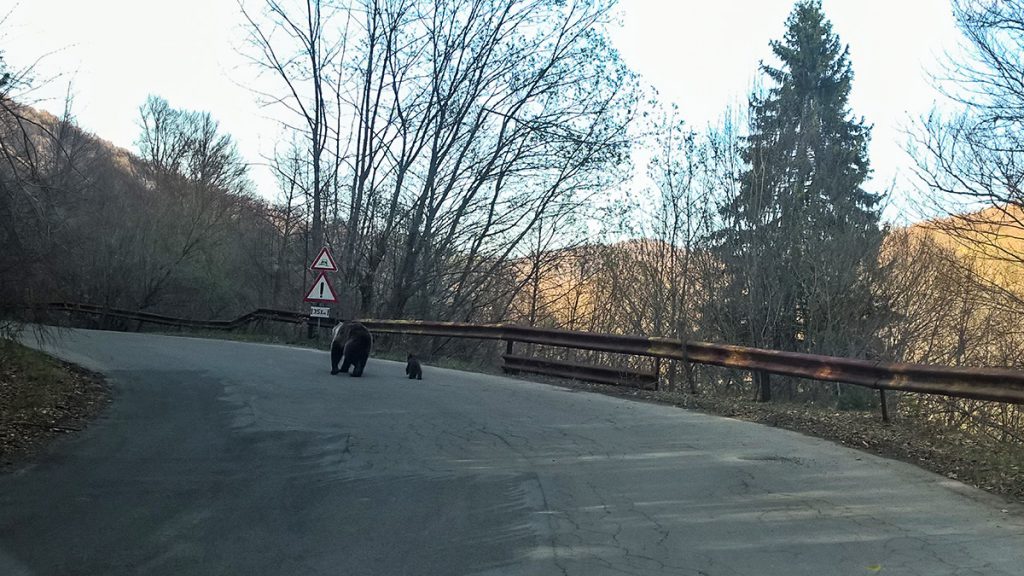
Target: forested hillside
point(173, 228)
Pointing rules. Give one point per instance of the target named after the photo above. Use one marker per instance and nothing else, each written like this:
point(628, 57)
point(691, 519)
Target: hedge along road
point(221, 457)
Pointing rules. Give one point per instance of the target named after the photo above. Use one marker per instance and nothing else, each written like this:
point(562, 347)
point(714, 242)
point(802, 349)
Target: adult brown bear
point(352, 341)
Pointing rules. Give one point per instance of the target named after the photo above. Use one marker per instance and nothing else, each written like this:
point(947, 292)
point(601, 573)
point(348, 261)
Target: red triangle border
point(334, 292)
point(330, 258)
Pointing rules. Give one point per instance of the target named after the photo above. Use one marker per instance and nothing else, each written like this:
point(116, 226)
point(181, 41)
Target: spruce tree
point(801, 236)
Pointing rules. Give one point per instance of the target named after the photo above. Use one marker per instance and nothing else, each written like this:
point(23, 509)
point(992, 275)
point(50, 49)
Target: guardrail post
point(885, 406)
point(691, 382)
point(657, 373)
point(508, 352)
point(764, 385)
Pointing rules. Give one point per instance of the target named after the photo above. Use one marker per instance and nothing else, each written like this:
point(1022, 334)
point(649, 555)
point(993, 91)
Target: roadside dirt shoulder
point(42, 398)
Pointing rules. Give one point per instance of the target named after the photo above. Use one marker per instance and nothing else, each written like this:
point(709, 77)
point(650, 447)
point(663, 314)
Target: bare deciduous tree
point(970, 160)
point(471, 120)
point(296, 43)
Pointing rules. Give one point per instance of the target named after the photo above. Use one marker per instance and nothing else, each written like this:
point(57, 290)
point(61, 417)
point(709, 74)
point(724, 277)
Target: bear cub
point(413, 368)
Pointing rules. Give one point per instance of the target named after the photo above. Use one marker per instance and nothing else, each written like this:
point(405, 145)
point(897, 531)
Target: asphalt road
point(228, 458)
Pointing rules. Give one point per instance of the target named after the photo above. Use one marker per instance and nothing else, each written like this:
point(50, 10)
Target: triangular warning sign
point(321, 291)
point(324, 261)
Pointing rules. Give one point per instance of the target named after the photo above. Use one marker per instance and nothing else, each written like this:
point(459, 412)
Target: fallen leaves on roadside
point(41, 398)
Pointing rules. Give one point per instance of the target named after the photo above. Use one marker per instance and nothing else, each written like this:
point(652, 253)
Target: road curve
point(221, 457)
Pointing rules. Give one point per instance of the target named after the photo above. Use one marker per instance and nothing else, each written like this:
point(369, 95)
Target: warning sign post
point(321, 292)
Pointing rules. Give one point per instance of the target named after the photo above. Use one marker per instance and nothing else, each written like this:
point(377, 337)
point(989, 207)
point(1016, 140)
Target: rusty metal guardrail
point(628, 345)
point(996, 384)
point(260, 314)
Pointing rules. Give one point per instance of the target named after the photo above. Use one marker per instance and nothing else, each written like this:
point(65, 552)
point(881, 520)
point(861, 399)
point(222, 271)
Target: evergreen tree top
point(806, 154)
point(804, 137)
point(815, 64)
point(809, 47)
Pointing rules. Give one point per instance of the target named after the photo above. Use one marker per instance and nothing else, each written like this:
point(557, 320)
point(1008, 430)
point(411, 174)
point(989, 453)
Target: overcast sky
point(702, 55)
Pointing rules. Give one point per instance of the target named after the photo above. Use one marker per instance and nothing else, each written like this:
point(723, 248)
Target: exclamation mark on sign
point(321, 289)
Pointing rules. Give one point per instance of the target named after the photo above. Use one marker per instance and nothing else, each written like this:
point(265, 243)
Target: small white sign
point(319, 312)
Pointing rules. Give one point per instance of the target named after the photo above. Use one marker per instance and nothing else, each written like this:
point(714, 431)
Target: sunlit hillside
point(633, 286)
point(992, 240)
